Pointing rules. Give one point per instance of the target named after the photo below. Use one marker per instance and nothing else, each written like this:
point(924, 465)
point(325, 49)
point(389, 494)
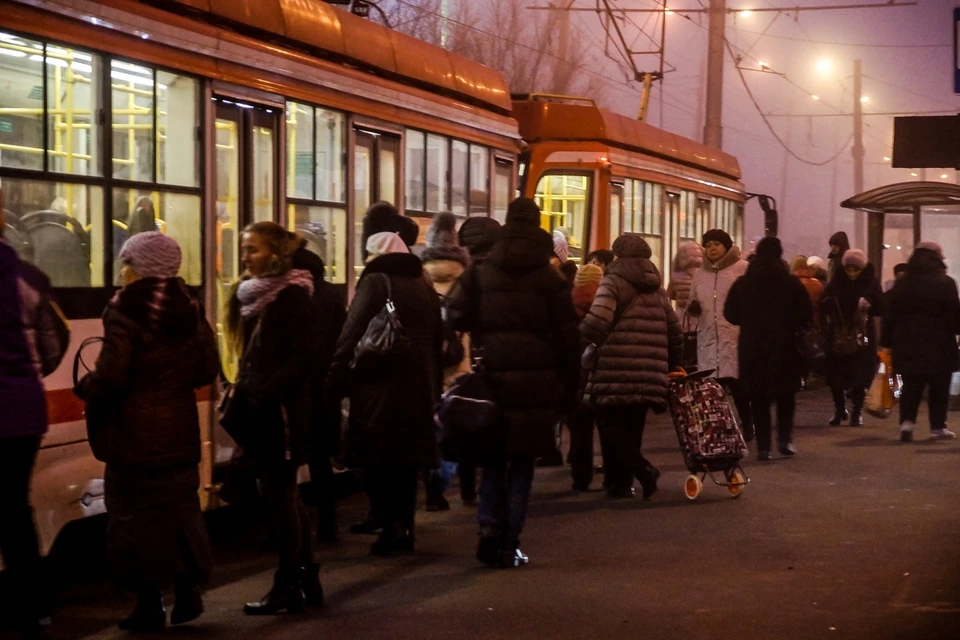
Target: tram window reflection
point(300, 148)
point(416, 149)
point(438, 160)
point(331, 172)
point(73, 100)
point(131, 90)
point(459, 167)
point(178, 121)
point(479, 180)
point(325, 230)
point(21, 106)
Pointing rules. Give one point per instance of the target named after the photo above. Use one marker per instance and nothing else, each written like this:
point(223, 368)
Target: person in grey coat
point(639, 341)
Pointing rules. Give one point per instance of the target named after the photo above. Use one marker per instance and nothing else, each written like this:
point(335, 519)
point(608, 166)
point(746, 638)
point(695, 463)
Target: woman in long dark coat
point(157, 349)
point(851, 303)
point(391, 433)
point(273, 325)
point(771, 307)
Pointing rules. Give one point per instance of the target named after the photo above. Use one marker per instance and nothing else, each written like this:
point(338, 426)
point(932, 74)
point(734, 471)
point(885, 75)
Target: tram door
point(616, 211)
point(247, 186)
point(376, 177)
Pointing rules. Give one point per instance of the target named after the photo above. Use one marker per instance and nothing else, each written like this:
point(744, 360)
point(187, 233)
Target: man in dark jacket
point(839, 245)
point(331, 313)
point(771, 307)
point(520, 315)
point(920, 326)
point(33, 339)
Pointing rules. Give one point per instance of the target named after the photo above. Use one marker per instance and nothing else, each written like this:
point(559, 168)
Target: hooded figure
point(689, 258)
point(639, 341)
point(813, 287)
point(478, 235)
point(771, 307)
point(920, 326)
point(839, 245)
point(518, 310)
point(443, 258)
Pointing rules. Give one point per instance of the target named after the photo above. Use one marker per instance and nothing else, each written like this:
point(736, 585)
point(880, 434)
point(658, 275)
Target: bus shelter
point(901, 215)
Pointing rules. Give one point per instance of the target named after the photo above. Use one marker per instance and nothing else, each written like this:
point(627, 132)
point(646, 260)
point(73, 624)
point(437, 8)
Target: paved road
point(854, 538)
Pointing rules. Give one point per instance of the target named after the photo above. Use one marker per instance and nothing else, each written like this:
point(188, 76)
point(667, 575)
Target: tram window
point(177, 215)
point(438, 160)
point(21, 106)
point(459, 166)
point(59, 228)
point(73, 101)
point(504, 170)
point(416, 148)
point(479, 180)
point(325, 230)
point(563, 199)
point(132, 103)
point(263, 173)
point(178, 120)
point(331, 173)
point(300, 147)
point(628, 199)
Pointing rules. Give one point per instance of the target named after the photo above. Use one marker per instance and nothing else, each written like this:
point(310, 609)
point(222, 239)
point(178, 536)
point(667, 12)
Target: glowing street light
point(824, 66)
point(746, 13)
point(815, 97)
point(886, 158)
point(864, 99)
point(765, 66)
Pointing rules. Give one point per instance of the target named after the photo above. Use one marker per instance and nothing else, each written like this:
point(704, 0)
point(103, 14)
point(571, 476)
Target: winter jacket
point(920, 324)
point(391, 411)
point(638, 336)
point(157, 349)
point(770, 306)
point(716, 337)
point(275, 376)
point(835, 260)
point(839, 307)
point(443, 275)
point(33, 340)
point(814, 289)
point(331, 313)
point(521, 318)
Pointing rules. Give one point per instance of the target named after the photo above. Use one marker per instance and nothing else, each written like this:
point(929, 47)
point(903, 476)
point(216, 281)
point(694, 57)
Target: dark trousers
point(291, 523)
point(621, 431)
point(504, 498)
point(467, 472)
point(937, 399)
point(324, 495)
point(743, 404)
point(581, 446)
point(857, 395)
point(392, 489)
point(786, 407)
point(27, 600)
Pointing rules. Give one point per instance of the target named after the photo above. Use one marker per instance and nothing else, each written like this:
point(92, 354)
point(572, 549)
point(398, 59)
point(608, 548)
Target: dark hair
point(569, 271)
point(282, 244)
point(900, 268)
point(603, 255)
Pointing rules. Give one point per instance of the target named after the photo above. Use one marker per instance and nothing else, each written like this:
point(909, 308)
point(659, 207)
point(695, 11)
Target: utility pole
point(782, 203)
point(713, 127)
point(561, 75)
point(859, 231)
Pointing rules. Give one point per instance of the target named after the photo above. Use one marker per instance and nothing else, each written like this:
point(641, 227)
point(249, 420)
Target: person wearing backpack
point(520, 316)
point(849, 307)
point(639, 341)
point(33, 340)
point(393, 386)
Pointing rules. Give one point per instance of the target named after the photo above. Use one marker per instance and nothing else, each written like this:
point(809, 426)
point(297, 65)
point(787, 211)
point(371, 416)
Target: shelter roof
point(905, 197)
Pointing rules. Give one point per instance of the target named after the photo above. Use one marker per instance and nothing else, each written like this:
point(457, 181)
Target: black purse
point(96, 417)
point(235, 412)
point(385, 339)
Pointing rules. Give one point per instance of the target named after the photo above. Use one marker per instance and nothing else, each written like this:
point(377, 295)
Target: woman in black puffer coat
point(639, 341)
point(157, 348)
point(391, 433)
point(273, 326)
point(920, 327)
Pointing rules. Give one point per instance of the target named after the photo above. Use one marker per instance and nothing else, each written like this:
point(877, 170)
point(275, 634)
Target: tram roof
point(334, 33)
point(905, 197)
point(581, 120)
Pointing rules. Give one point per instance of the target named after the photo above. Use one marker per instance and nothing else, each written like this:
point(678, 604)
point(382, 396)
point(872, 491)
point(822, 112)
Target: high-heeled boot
point(148, 615)
point(310, 584)
point(285, 595)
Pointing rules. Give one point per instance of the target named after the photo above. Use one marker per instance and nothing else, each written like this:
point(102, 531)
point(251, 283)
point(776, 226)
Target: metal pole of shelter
point(713, 128)
point(858, 152)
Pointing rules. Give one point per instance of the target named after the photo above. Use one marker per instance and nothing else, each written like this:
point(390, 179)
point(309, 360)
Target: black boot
point(856, 418)
point(310, 585)
point(286, 595)
point(648, 480)
point(511, 557)
point(839, 416)
point(148, 615)
point(370, 525)
point(387, 543)
point(189, 604)
point(488, 550)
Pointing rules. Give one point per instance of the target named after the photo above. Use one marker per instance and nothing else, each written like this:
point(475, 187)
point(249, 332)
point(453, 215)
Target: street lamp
point(864, 99)
point(824, 66)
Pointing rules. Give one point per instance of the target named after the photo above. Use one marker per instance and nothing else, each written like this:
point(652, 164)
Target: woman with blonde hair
point(272, 326)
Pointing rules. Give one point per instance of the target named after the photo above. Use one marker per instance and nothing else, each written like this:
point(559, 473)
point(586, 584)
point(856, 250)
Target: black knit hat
point(383, 216)
point(523, 211)
point(770, 248)
point(478, 235)
point(631, 245)
point(718, 235)
point(407, 229)
point(442, 241)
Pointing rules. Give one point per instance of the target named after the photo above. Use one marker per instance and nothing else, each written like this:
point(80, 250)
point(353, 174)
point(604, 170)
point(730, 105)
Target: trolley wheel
point(692, 487)
point(737, 482)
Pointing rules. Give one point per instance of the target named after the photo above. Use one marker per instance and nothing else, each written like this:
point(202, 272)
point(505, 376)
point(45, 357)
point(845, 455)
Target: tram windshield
point(564, 199)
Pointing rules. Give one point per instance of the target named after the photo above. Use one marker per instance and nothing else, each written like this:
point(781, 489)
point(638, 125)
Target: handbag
point(688, 357)
point(97, 417)
point(468, 419)
point(847, 340)
point(234, 411)
point(385, 339)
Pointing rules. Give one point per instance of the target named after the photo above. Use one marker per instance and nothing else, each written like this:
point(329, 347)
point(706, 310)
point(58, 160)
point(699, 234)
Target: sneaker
point(942, 434)
point(788, 450)
point(906, 431)
point(763, 456)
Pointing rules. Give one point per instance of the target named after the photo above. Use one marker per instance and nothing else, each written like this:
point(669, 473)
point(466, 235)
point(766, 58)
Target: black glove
point(694, 308)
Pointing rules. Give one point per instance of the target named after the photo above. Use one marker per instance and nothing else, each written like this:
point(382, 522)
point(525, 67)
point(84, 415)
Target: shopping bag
point(879, 399)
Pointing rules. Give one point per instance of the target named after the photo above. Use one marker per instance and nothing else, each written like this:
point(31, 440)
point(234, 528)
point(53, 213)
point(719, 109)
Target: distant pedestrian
point(771, 307)
point(920, 326)
point(519, 312)
point(818, 268)
point(716, 337)
point(391, 434)
point(600, 257)
point(850, 304)
point(689, 258)
point(33, 340)
point(839, 245)
point(639, 341)
point(811, 339)
point(582, 419)
point(899, 271)
point(158, 348)
point(273, 326)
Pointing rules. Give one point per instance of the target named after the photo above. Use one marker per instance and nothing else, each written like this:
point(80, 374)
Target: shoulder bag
point(96, 417)
point(847, 340)
point(385, 339)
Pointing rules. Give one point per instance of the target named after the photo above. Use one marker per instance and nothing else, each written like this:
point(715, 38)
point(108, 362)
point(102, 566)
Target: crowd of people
point(586, 347)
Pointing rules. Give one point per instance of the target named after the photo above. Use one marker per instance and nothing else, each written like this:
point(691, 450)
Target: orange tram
point(198, 117)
